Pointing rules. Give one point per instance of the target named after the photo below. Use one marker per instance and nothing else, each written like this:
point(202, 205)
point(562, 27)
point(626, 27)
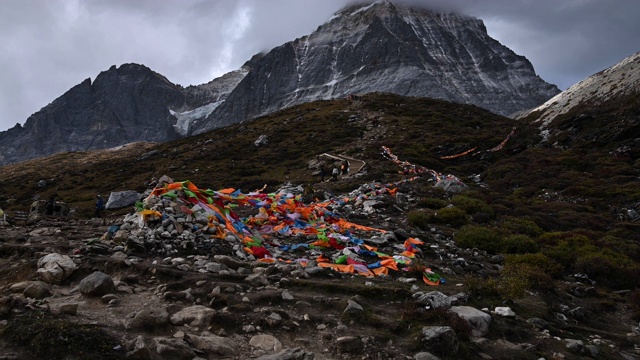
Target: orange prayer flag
point(408, 254)
point(227, 191)
point(174, 186)
point(429, 282)
point(381, 270)
point(389, 263)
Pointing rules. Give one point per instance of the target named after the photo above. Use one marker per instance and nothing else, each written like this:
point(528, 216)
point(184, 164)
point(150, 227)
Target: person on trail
point(321, 172)
point(344, 167)
point(334, 173)
point(99, 206)
point(50, 205)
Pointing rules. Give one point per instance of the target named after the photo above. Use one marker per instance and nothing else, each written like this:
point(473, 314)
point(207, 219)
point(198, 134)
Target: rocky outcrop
point(384, 47)
point(123, 105)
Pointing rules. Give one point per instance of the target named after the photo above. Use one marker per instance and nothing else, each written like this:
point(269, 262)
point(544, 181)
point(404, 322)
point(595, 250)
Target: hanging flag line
point(493, 149)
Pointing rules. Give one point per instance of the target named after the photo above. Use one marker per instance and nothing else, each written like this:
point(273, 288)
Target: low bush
point(471, 205)
point(419, 219)
point(522, 226)
point(519, 244)
point(451, 216)
point(483, 238)
point(432, 203)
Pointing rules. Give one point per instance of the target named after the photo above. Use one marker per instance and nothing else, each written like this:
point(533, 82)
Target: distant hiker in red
point(344, 167)
point(99, 206)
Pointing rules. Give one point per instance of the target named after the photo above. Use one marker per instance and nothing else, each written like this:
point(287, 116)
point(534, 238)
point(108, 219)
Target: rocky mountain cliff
point(379, 47)
point(567, 116)
point(388, 48)
point(123, 105)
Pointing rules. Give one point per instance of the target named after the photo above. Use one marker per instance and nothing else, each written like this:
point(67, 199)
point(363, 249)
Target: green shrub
point(519, 244)
point(418, 218)
point(522, 226)
point(432, 203)
point(479, 288)
point(480, 237)
point(538, 260)
point(450, 216)
point(610, 268)
point(516, 280)
point(522, 273)
point(471, 205)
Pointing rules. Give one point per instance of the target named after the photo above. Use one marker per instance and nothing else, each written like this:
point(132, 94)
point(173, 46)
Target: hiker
point(50, 205)
point(99, 206)
point(334, 173)
point(345, 167)
point(321, 172)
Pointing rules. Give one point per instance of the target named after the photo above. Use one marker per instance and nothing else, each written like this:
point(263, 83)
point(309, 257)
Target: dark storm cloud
point(47, 46)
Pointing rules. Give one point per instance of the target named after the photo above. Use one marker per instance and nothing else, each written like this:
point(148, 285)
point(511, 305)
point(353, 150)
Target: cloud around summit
point(47, 47)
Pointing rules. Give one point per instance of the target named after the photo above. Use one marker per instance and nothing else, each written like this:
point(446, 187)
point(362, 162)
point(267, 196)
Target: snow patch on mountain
point(186, 119)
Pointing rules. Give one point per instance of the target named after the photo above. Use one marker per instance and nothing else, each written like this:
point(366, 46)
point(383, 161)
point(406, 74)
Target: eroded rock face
point(426, 54)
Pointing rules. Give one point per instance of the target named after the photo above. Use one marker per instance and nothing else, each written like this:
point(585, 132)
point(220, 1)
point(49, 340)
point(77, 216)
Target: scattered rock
point(265, 342)
point(214, 346)
point(55, 268)
point(120, 199)
point(96, 284)
point(289, 354)
point(479, 320)
point(440, 339)
point(196, 316)
point(504, 311)
point(37, 290)
point(150, 319)
point(349, 344)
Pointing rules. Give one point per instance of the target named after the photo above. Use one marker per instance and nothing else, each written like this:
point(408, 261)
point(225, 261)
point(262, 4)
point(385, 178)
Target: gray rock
point(274, 319)
point(440, 339)
point(173, 348)
point(150, 319)
point(425, 356)
point(55, 268)
point(20, 286)
point(68, 308)
point(266, 342)
point(37, 290)
point(261, 141)
point(353, 308)
point(257, 279)
point(575, 346)
point(289, 354)
point(286, 295)
point(195, 316)
point(593, 350)
point(538, 323)
point(436, 299)
point(504, 311)
point(349, 344)
point(120, 199)
point(228, 261)
point(479, 320)
point(96, 284)
point(451, 185)
point(214, 346)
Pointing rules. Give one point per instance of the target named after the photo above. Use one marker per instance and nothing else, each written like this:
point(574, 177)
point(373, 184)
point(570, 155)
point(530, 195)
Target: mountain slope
point(122, 105)
point(389, 48)
point(604, 108)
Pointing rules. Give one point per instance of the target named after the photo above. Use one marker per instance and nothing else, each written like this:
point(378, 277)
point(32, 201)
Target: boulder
point(214, 346)
point(120, 199)
point(96, 284)
point(440, 339)
point(349, 344)
point(504, 311)
point(479, 320)
point(37, 290)
point(55, 268)
point(172, 348)
point(266, 342)
point(150, 319)
point(197, 316)
point(289, 354)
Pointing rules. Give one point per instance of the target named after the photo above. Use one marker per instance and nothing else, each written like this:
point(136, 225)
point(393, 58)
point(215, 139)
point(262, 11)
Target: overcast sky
point(47, 47)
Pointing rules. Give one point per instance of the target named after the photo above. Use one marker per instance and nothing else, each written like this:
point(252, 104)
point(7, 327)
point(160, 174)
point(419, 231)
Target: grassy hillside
point(553, 211)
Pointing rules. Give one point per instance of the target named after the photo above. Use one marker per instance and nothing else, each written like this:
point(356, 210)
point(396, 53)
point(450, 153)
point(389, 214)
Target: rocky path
point(67, 294)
